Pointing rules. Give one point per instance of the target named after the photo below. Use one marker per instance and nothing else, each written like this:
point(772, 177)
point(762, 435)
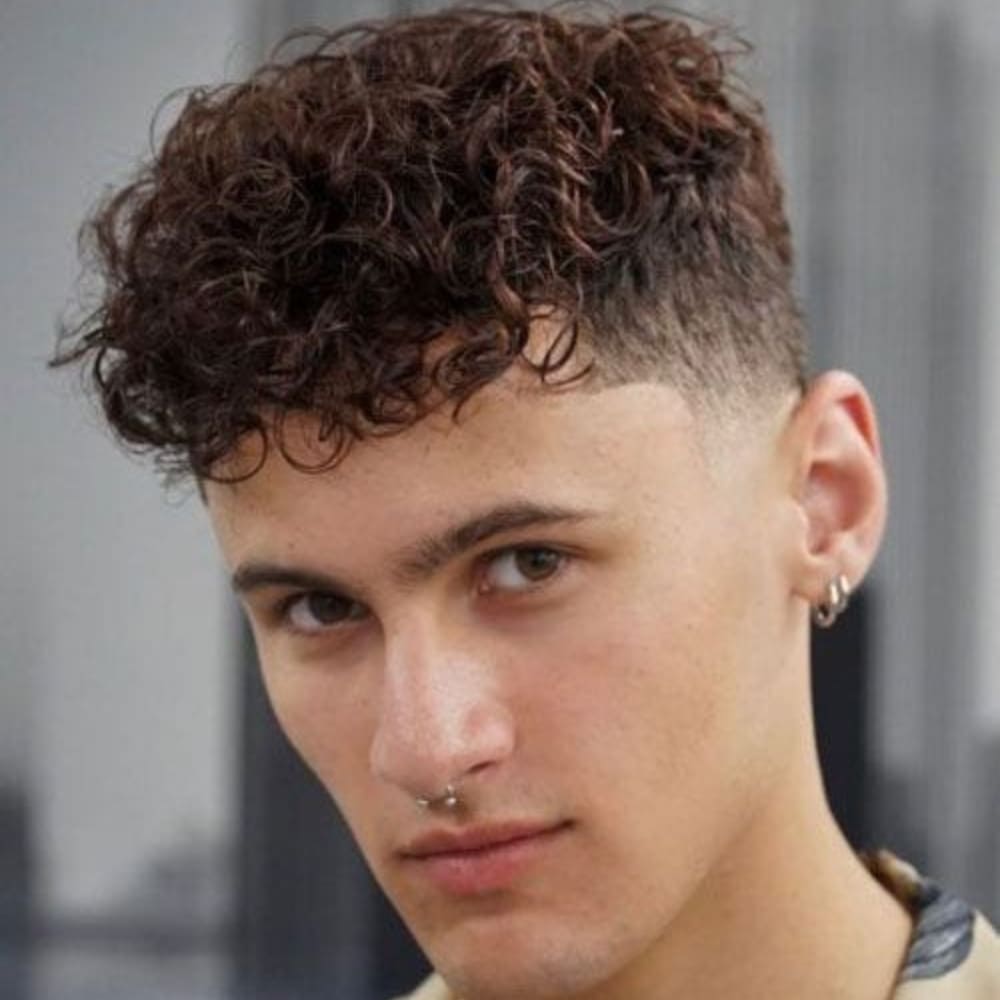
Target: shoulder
point(975, 977)
point(954, 953)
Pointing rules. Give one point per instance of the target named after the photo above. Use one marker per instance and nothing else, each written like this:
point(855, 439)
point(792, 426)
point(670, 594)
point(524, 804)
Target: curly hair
point(372, 228)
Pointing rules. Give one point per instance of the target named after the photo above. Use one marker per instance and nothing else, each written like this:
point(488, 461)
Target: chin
point(538, 980)
point(540, 964)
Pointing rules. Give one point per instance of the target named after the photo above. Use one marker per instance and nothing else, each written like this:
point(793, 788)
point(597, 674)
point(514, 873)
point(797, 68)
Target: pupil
point(328, 608)
point(537, 563)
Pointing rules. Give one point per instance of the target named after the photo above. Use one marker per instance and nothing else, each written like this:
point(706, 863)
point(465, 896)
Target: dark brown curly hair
point(371, 229)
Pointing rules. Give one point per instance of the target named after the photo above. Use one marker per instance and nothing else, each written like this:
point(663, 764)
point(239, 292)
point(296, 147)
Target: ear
point(837, 483)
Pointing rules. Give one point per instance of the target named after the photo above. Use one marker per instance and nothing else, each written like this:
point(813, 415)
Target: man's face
point(572, 607)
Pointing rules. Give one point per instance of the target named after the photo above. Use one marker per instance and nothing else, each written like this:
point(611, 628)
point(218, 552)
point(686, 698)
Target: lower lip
point(488, 869)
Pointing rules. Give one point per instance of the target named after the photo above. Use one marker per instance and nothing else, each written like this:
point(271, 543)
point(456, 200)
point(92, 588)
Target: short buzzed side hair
point(369, 229)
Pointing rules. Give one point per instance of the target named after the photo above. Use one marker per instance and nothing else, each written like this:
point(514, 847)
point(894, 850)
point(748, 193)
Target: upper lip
point(477, 838)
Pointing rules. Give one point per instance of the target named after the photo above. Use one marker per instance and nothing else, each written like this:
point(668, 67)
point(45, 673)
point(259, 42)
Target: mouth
point(480, 860)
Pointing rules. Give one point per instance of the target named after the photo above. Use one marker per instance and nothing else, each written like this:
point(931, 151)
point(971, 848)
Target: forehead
point(633, 453)
point(505, 436)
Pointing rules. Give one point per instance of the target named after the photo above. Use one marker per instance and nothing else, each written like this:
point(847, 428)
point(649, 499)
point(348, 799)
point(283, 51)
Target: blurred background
point(157, 838)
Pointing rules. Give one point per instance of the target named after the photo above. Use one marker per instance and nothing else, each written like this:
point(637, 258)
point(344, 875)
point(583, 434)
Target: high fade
point(373, 228)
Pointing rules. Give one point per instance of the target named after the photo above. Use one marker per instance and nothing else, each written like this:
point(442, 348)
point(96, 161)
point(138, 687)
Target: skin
point(636, 678)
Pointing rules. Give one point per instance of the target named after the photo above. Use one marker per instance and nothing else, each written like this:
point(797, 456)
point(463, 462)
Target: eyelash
point(286, 606)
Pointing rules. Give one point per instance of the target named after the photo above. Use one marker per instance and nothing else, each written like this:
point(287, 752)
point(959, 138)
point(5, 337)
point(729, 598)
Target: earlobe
point(838, 486)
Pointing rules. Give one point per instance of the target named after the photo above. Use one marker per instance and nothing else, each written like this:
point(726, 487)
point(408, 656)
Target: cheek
point(638, 701)
point(326, 720)
point(661, 693)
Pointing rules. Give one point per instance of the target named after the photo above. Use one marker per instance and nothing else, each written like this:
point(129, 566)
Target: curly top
point(370, 229)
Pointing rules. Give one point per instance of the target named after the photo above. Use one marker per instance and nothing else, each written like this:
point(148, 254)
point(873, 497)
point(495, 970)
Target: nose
point(442, 717)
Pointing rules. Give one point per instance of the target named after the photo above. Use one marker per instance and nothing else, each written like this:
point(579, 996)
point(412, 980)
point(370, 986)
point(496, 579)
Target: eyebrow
point(258, 574)
point(428, 555)
point(422, 559)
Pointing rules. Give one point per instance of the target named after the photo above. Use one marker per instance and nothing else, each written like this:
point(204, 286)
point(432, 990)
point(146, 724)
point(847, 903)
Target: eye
point(318, 611)
point(521, 568)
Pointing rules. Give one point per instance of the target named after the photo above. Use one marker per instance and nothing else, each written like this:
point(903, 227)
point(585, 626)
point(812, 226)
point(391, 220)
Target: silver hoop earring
point(449, 800)
point(838, 594)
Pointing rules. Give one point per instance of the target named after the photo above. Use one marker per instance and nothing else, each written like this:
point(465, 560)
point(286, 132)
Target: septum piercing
point(448, 799)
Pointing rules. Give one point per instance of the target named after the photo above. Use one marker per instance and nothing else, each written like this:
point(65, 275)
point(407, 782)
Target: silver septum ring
point(448, 799)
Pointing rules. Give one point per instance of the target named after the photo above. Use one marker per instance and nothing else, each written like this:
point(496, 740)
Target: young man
point(477, 332)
